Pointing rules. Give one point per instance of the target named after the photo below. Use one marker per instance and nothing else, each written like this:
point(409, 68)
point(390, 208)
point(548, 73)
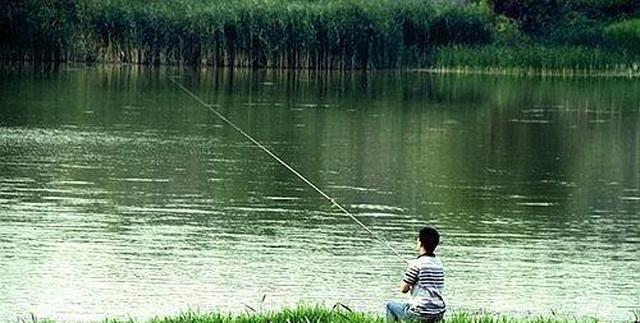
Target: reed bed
point(310, 34)
point(332, 34)
point(536, 59)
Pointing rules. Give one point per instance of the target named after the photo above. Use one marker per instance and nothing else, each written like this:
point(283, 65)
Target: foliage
point(507, 32)
point(625, 33)
point(537, 58)
point(576, 29)
point(324, 315)
point(328, 34)
point(603, 9)
point(545, 17)
point(533, 16)
point(43, 29)
point(468, 25)
point(412, 24)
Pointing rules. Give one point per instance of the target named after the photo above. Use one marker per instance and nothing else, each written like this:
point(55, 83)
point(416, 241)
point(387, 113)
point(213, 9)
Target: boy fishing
point(424, 277)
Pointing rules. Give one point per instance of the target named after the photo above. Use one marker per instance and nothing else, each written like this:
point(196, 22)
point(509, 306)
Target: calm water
point(120, 195)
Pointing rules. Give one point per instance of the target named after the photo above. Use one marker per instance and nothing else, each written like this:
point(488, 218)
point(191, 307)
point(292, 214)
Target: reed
point(311, 34)
point(332, 34)
point(537, 59)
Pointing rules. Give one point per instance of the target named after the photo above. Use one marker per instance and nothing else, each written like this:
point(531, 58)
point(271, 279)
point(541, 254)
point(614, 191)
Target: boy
point(425, 278)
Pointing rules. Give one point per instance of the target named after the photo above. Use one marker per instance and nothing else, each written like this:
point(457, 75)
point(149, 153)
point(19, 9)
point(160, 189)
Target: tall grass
point(537, 59)
point(625, 34)
point(313, 34)
point(336, 34)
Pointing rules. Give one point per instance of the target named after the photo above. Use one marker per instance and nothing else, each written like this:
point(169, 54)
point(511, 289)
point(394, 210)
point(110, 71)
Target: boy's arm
point(410, 278)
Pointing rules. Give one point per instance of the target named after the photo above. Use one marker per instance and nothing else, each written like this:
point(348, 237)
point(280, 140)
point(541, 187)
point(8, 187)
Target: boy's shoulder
point(433, 261)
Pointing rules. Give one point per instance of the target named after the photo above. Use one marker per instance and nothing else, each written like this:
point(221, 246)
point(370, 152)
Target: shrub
point(625, 33)
point(508, 33)
point(463, 25)
point(603, 9)
point(534, 16)
point(576, 29)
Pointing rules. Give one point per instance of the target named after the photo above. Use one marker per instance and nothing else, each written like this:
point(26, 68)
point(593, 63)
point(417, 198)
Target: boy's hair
point(429, 239)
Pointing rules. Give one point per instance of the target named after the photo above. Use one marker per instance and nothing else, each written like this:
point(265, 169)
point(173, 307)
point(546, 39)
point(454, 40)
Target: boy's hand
point(404, 287)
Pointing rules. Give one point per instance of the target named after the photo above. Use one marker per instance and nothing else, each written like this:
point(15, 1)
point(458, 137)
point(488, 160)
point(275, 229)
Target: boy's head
point(428, 238)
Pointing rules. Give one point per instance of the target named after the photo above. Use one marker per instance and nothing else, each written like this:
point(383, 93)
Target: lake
point(120, 195)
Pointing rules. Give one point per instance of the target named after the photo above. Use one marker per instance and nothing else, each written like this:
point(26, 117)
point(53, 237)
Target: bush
point(625, 33)
point(534, 16)
point(578, 30)
point(463, 25)
point(508, 33)
point(603, 9)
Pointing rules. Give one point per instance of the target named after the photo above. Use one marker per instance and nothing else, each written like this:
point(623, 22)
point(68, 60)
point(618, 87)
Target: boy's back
point(426, 276)
point(425, 279)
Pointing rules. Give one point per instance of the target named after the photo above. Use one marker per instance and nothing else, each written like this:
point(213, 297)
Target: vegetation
point(626, 34)
point(534, 59)
point(318, 34)
point(336, 315)
point(326, 34)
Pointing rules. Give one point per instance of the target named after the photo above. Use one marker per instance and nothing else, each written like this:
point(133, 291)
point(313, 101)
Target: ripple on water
point(167, 210)
point(537, 204)
point(377, 207)
point(360, 189)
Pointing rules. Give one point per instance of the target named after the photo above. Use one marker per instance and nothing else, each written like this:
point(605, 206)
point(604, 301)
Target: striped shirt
point(426, 276)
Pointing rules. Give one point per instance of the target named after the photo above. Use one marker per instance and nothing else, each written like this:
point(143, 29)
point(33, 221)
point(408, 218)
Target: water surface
point(121, 196)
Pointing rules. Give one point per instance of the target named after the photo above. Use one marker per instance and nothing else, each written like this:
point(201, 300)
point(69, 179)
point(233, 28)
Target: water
point(121, 196)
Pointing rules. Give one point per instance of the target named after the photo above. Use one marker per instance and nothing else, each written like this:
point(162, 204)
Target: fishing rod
point(287, 166)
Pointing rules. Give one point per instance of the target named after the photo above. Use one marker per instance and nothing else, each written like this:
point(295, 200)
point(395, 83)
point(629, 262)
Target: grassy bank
point(342, 315)
point(536, 59)
point(325, 34)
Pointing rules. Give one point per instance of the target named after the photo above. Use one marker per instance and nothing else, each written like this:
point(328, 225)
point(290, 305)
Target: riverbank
point(535, 60)
point(342, 314)
point(331, 34)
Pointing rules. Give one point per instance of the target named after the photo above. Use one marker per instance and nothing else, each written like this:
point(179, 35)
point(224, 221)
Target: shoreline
point(331, 35)
point(10, 66)
point(341, 313)
point(530, 72)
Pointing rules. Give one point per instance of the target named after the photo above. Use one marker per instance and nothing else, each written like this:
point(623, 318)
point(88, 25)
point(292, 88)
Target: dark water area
point(121, 195)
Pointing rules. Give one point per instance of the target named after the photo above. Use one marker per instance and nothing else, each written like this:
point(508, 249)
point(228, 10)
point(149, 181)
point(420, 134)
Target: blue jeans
point(398, 311)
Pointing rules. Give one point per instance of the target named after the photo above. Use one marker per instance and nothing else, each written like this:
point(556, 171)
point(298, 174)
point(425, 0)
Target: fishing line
point(295, 172)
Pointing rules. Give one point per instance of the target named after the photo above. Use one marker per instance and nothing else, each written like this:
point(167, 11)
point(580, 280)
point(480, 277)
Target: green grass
point(314, 34)
point(537, 59)
point(625, 34)
point(257, 33)
point(341, 315)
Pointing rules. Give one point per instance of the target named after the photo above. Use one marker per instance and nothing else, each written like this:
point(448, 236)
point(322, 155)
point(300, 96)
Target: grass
point(311, 34)
point(339, 313)
point(537, 59)
point(335, 34)
point(625, 34)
